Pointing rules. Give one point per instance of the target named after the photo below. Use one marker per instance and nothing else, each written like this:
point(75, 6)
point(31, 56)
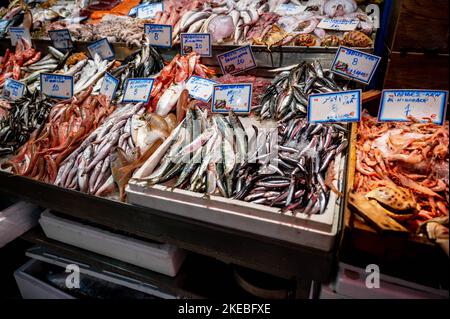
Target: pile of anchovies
point(284, 167)
point(293, 174)
point(26, 115)
point(143, 63)
point(287, 97)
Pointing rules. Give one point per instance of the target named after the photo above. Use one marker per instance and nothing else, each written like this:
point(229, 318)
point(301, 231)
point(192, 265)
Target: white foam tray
point(33, 288)
point(162, 258)
point(315, 231)
point(17, 219)
point(350, 282)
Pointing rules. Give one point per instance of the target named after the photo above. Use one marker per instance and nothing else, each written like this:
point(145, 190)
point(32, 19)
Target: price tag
point(237, 60)
point(149, 11)
point(133, 10)
point(354, 64)
point(159, 35)
point(57, 85)
point(103, 48)
point(17, 33)
point(13, 89)
point(3, 25)
point(200, 88)
point(196, 42)
point(397, 105)
point(61, 39)
point(335, 107)
point(236, 97)
point(289, 9)
point(338, 24)
point(109, 86)
point(137, 90)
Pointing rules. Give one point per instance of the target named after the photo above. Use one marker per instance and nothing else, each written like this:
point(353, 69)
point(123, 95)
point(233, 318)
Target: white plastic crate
point(350, 282)
point(162, 258)
point(33, 288)
point(17, 219)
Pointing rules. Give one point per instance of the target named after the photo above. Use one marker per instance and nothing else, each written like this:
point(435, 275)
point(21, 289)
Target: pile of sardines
point(25, 116)
point(287, 97)
point(290, 165)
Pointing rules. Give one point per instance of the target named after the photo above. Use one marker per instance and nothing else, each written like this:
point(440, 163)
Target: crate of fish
point(256, 176)
point(270, 173)
point(398, 183)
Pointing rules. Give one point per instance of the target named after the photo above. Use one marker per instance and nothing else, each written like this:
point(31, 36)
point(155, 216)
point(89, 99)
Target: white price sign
point(335, 107)
point(109, 86)
point(17, 33)
point(13, 89)
point(338, 24)
point(236, 97)
point(159, 35)
point(57, 85)
point(398, 105)
point(199, 43)
point(137, 90)
point(200, 88)
point(237, 60)
point(103, 48)
point(354, 64)
point(149, 11)
point(61, 39)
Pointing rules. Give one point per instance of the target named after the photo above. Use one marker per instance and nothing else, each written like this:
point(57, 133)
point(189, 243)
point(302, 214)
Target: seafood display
point(24, 116)
point(25, 63)
point(404, 166)
point(232, 22)
point(289, 166)
point(169, 84)
point(287, 96)
point(114, 28)
point(67, 125)
point(109, 155)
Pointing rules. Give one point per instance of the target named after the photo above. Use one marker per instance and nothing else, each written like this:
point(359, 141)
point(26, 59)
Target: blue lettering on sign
point(354, 64)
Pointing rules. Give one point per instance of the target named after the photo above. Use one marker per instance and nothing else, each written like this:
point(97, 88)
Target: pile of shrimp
point(413, 155)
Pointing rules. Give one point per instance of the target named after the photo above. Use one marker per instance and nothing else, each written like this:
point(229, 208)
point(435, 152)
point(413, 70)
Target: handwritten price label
point(200, 88)
point(61, 39)
point(13, 89)
point(354, 64)
point(237, 60)
point(338, 24)
point(397, 105)
point(196, 42)
point(57, 85)
point(16, 33)
point(109, 86)
point(335, 107)
point(236, 97)
point(137, 90)
point(159, 35)
point(149, 11)
point(103, 48)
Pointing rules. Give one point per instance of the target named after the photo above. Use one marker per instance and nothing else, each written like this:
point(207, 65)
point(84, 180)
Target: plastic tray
point(162, 258)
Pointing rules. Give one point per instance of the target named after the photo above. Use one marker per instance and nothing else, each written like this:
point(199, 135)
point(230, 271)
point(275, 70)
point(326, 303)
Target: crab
point(398, 201)
point(330, 41)
point(357, 39)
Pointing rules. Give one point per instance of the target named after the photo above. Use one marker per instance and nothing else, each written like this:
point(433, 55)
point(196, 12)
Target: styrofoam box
point(162, 258)
point(17, 219)
point(315, 231)
point(33, 288)
point(351, 283)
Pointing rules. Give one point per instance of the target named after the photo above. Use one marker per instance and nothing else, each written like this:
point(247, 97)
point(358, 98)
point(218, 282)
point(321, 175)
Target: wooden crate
point(422, 25)
point(417, 71)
